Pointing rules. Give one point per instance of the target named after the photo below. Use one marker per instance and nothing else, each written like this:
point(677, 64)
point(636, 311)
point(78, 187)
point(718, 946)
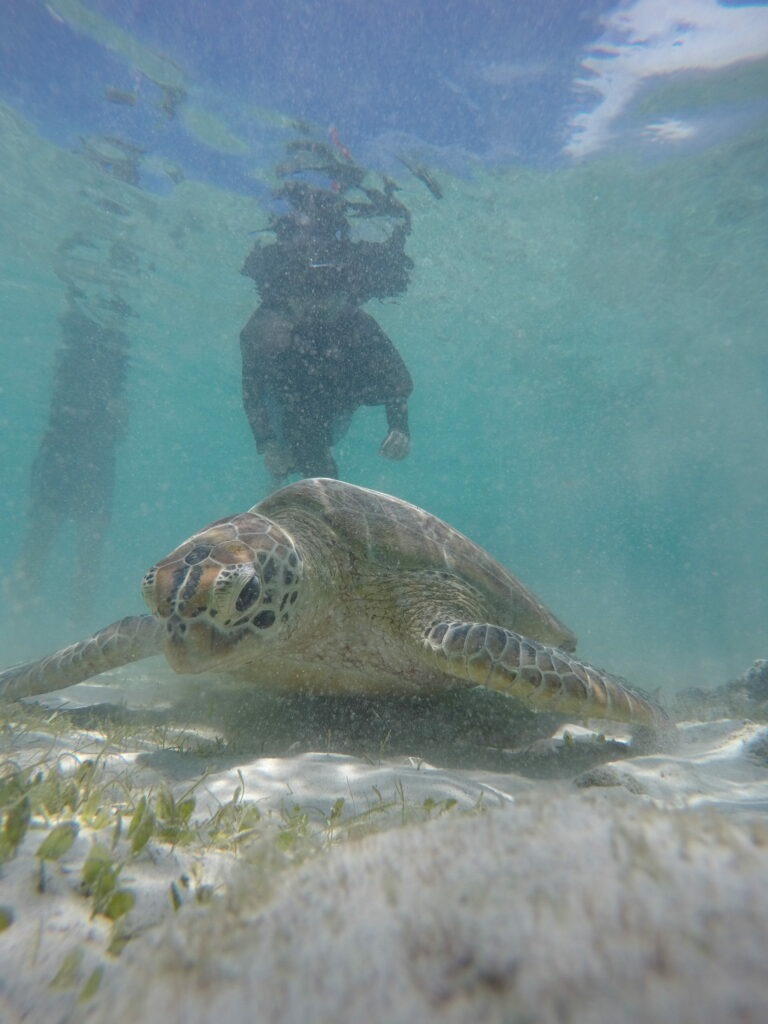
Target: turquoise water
point(588, 349)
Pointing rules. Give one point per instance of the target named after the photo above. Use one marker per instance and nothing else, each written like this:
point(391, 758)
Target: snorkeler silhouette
point(73, 472)
point(72, 476)
point(311, 357)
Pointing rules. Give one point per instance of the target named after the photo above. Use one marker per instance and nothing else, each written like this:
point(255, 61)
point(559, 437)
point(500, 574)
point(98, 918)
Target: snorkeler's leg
point(91, 530)
point(340, 426)
point(308, 434)
point(24, 587)
point(263, 342)
point(315, 458)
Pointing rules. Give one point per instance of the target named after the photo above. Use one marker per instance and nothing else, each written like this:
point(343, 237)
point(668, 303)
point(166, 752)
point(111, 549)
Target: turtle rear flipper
point(129, 639)
point(543, 678)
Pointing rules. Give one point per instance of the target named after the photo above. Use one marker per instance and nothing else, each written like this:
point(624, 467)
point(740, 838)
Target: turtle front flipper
point(129, 639)
point(544, 678)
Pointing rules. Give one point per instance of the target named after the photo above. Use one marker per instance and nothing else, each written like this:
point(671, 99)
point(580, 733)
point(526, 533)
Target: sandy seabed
point(391, 890)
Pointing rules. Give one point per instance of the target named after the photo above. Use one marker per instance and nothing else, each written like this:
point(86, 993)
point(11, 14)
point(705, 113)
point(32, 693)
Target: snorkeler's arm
point(397, 414)
point(399, 386)
point(397, 444)
point(389, 383)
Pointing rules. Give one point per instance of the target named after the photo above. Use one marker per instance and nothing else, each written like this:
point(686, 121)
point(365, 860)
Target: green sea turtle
point(328, 587)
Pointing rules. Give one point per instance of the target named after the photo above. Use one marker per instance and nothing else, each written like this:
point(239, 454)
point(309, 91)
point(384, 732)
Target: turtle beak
point(189, 646)
point(194, 647)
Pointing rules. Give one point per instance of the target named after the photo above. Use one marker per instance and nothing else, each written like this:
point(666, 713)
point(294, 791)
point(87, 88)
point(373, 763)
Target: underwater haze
point(585, 323)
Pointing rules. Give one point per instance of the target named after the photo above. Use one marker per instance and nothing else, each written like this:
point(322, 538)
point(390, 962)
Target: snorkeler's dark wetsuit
point(311, 356)
point(303, 379)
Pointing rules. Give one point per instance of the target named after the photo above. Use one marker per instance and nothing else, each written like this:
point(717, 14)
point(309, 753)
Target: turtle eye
point(249, 594)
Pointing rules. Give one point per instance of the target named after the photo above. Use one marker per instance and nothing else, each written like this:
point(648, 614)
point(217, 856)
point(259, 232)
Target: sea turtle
point(328, 587)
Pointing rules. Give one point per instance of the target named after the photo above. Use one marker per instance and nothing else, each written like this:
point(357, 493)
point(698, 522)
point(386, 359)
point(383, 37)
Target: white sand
point(640, 898)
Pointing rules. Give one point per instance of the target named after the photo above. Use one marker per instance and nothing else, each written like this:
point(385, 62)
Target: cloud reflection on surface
point(650, 38)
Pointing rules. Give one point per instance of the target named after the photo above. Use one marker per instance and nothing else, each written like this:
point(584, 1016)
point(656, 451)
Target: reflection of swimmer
point(173, 97)
point(116, 157)
point(311, 356)
point(120, 96)
point(424, 175)
point(72, 476)
point(73, 472)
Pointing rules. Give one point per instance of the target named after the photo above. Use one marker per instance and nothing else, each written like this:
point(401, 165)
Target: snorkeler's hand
point(277, 459)
point(395, 445)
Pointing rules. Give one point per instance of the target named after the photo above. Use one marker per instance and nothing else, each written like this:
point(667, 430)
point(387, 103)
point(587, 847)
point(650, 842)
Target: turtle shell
point(396, 535)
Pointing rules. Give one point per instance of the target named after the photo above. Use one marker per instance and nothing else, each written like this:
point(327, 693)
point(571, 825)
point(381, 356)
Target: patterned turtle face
point(235, 582)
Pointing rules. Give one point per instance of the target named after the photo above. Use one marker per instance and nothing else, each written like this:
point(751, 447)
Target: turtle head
point(228, 588)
